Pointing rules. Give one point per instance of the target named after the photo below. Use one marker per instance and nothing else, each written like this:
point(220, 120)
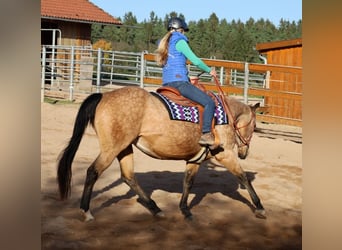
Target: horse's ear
point(255, 106)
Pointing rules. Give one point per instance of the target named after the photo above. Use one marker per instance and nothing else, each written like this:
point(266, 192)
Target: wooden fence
point(281, 92)
point(73, 70)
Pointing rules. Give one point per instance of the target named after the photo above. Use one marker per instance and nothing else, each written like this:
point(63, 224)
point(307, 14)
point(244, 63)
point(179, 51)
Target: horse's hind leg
point(101, 163)
point(127, 173)
point(190, 172)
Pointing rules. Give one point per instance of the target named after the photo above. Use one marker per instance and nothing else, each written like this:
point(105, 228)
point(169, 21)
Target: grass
point(57, 101)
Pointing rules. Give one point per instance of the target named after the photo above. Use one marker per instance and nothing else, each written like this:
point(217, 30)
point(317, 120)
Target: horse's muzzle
point(243, 151)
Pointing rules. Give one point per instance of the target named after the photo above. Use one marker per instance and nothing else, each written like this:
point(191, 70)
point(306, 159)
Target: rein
point(245, 141)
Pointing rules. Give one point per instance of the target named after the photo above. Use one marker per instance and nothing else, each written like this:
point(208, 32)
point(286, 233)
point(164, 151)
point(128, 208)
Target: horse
point(131, 116)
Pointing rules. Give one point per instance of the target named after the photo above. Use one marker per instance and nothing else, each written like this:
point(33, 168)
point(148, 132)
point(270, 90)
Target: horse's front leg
point(228, 159)
point(127, 174)
point(190, 172)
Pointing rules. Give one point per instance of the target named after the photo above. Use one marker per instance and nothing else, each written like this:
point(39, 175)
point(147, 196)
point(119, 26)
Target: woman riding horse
point(172, 54)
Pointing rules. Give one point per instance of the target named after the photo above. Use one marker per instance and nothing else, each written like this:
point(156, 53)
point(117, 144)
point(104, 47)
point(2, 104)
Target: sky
point(194, 10)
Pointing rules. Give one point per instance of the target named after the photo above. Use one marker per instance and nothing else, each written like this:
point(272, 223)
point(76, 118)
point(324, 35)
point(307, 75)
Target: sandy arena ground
point(223, 218)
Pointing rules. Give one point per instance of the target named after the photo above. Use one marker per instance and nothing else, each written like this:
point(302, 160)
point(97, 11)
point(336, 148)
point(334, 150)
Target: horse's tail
point(85, 115)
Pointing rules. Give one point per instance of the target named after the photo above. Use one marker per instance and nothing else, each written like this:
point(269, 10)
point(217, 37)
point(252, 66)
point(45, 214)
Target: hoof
point(88, 216)
point(260, 213)
point(160, 215)
point(189, 218)
point(187, 214)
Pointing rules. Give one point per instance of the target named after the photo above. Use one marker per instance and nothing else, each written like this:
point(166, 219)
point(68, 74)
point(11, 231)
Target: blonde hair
point(163, 49)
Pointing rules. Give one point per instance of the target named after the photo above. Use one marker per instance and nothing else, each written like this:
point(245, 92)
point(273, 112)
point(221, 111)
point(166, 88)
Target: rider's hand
point(213, 72)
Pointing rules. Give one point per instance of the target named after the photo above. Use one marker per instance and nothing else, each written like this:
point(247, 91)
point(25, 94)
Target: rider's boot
point(208, 139)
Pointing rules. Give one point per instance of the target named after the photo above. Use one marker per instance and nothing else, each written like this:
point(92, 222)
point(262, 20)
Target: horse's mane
point(236, 106)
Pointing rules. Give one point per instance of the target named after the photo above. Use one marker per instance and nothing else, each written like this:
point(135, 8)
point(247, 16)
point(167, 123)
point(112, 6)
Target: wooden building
point(72, 20)
point(285, 53)
point(68, 23)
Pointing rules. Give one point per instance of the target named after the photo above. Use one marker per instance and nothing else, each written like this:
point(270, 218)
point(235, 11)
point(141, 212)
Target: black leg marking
point(143, 198)
point(92, 176)
point(260, 211)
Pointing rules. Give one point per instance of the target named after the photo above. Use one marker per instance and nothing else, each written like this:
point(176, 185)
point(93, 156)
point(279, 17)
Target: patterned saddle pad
point(191, 113)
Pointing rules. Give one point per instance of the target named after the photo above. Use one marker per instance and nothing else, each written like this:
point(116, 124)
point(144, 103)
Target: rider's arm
point(183, 47)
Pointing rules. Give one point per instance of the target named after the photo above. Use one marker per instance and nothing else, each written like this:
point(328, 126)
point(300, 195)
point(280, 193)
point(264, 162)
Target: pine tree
point(208, 38)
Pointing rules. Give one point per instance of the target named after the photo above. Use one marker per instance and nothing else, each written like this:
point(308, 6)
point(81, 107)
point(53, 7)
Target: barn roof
point(262, 47)
point(76, 11)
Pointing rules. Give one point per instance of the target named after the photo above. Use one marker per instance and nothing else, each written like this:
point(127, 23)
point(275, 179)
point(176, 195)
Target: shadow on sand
point(215, 182)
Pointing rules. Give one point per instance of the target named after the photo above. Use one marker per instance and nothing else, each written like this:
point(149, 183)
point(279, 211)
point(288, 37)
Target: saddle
point(174, 95)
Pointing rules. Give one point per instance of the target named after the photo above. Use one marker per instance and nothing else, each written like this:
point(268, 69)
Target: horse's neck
point(236, 107)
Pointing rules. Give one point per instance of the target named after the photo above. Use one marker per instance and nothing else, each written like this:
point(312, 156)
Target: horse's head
point(244, 126)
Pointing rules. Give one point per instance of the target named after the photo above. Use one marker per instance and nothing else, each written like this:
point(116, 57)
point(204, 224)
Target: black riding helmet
point(177, 23)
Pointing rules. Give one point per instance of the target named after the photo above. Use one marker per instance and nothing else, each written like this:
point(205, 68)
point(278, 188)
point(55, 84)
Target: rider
point(172, 54)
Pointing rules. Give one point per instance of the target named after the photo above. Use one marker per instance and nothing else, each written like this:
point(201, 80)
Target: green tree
point(212, 35)
point(153, 30)
point(128, 33)
point(209, 37)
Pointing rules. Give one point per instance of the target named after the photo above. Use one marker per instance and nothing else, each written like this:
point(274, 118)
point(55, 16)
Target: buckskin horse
point(133, 116)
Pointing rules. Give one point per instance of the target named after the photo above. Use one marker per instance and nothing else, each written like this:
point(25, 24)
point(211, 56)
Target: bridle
point(244, 141)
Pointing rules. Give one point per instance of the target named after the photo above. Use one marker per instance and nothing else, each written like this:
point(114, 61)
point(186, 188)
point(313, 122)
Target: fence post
point(142, 69)
point(98, 75)
point(112, 68)
point(221, 75)
point(53, 59)
point(43, 75)
point(245, 89)
point(138, 69)
point(233, 76)
point(71, 86)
